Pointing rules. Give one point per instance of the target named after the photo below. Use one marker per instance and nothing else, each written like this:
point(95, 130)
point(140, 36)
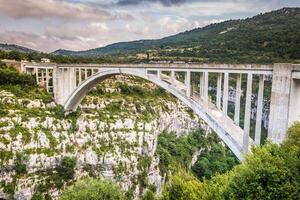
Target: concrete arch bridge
point(70, 83)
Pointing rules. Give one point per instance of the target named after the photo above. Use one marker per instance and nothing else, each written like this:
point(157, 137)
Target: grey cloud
point(58, 9)
point(163, 2)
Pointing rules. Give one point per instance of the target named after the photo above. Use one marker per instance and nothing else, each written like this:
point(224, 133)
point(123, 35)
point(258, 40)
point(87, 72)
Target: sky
point(48, 25)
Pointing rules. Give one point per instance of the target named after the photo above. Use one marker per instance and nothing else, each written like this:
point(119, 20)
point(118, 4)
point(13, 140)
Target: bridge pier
point(294, 112)
point(280, 102)
point(259, 110)
point(225, 92)
point(188, 83)
point(64, 82)
point(247, 120)
point(219, 91)
point(237, 106)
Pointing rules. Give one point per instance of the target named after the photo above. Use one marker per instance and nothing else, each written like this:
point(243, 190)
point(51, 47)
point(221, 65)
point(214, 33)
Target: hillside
point(268, 37)
point(13, 47)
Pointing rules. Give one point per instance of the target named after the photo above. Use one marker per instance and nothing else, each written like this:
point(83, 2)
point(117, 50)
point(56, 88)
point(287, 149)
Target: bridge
point(70, 84)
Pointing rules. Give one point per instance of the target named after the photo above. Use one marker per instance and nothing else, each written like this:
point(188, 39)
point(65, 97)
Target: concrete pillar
point(36, 70)
point(201, 85)
point(64, 80)
point(259, 110)
point(43, 76)
point(225, 93)
point(219, 91)
point(173, 78)
point(188, 83)
point(237, 106)
point(280, 102)
point(85, 74)
point(205, 96)
point(294, 113)
point(47, 80)
point(72, 79)
point(247, 114)
point(159, 74)
point(80, 75)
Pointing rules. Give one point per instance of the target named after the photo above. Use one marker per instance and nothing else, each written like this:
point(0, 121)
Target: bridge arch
point(74, 99)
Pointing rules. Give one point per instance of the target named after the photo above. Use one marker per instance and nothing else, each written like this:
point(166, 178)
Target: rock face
point(110, 138)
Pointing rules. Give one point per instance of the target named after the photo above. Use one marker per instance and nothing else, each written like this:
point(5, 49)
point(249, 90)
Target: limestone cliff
point(112, 135)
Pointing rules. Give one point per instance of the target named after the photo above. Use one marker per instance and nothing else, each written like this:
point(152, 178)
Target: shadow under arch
point(80, 92)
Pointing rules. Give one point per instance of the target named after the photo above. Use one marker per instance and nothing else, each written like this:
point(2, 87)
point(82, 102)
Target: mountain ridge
point(15, 47)
point(206, 36)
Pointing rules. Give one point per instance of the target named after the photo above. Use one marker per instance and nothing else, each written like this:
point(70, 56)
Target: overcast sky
point(48, 25)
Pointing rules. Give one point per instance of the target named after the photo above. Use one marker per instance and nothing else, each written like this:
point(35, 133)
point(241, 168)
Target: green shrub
point(149, 195)
point(92, 189)
point(3, 110)
point(66, 168)
point(19, 129)
point(132, 90)
point(19, 163)
point(58, 112)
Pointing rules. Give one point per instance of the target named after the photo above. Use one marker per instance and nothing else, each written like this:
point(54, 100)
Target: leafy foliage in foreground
point(272, 172)
point(92, 189)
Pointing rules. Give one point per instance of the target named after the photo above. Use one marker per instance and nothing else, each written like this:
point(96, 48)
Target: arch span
point(230, 133)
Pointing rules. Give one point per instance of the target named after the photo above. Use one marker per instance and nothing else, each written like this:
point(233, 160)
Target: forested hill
point(273, 35)
point(13, 47)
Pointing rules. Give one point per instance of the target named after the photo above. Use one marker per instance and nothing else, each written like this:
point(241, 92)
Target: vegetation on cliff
point(92, 189)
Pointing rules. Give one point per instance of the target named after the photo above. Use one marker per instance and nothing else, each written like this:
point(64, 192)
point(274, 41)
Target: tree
point(92, 189)
point(184, 186)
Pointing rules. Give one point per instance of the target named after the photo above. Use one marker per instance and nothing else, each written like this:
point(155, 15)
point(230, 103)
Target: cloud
point(163, 2)
point(57, 9)
point(89, 32)
point(48, 25)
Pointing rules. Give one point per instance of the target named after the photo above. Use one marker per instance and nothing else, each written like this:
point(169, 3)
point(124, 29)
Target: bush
point(92, 189)
point(132, 90)
point(66, 168)
point(149, 195)
point(19, 164)
point(58, 112)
